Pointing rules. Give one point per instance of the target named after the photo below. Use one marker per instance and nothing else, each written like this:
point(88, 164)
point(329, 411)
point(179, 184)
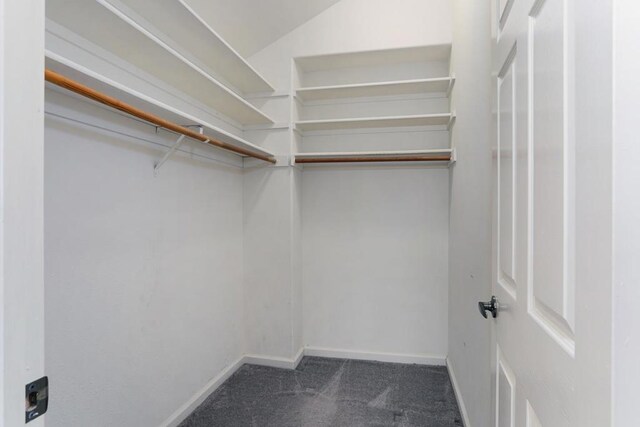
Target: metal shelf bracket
point(172, 150)
point(452, 120)
point(452, 81)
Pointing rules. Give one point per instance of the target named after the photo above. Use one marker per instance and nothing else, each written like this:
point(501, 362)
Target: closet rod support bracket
point(168, 154)
point(453, 158)
point(173, 149)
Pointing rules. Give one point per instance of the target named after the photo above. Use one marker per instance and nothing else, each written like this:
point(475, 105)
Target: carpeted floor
point(332, 392)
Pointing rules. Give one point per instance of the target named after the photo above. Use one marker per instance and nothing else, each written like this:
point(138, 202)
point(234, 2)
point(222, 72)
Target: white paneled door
point(548, 369)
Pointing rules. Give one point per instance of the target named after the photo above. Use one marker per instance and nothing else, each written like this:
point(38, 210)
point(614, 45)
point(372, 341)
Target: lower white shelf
point(446, 155)
point(376, 122)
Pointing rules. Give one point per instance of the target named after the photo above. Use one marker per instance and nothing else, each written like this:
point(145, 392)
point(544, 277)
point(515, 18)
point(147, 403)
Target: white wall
point(626, 316)
point(272, 277)
point(269, 282)
point(265, 18)
point(143, 274)
point(355, 25)
point(375, 259)
point(470, 224)
point(347, 279)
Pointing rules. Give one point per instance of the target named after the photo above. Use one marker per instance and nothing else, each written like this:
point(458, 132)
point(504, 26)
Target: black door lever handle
point(491, 306)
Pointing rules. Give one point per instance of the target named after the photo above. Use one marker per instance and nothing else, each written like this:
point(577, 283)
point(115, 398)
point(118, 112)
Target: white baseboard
point(298, 358)
point(418, 359)
point(456, 390)
point(185, 410)
point(274, 361)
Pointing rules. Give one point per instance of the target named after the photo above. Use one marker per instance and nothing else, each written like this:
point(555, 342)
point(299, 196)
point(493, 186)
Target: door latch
point(36, 398)
point(491, 306)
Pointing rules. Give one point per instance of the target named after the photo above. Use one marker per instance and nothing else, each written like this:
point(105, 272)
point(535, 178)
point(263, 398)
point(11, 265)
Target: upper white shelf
point(374, 58)
point(402, 87)
point(146, 103)
point(376, 122)
point(108, 27)
point(181, 24)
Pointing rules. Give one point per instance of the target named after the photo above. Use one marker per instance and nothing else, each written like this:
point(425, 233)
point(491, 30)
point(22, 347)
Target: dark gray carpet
point(332, 392)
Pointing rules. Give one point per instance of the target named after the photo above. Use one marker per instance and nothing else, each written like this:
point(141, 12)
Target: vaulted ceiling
point(251, 25)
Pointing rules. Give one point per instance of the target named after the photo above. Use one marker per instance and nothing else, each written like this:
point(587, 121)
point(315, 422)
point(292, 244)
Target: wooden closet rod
point(371, 159)
point(79, 88)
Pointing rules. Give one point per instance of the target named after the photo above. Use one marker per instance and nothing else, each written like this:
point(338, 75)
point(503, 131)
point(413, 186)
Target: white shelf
point(375, 58)
point(373, 156)
point(375, 122)
point(145, 103)
point(101, 23)
point(402, 87)
point(177, 21)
